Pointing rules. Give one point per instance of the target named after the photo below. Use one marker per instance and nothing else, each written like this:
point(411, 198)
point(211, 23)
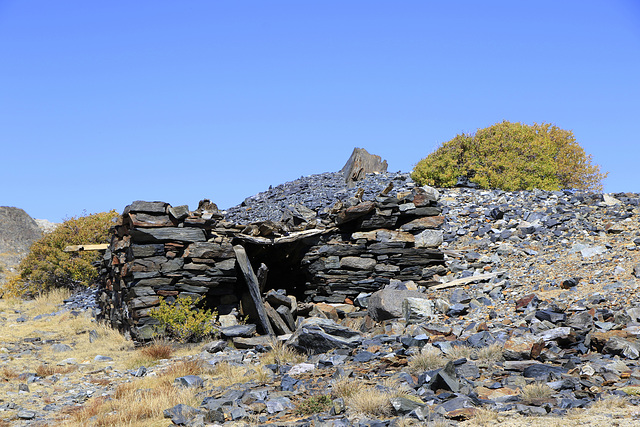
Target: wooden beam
point(465, 280)
point(254, 287)
point(77, 248)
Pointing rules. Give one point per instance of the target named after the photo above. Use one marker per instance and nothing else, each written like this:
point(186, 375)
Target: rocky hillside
point(17, 232)
point(537, 323)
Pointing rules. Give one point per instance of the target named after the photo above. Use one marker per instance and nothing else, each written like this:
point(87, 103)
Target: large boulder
point(361, 163)
point(387, 303)
point(317, 335)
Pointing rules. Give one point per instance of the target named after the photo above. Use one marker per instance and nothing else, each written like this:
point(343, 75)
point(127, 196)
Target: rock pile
point(540, 314)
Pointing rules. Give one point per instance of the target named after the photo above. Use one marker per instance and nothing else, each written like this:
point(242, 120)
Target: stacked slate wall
point(162, 251)
point(389, 238)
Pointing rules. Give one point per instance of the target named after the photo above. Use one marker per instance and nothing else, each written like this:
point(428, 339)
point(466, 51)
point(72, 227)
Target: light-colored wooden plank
point(465, 280)
point(77, 248)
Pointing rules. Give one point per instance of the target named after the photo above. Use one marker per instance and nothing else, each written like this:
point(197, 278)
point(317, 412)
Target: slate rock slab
point(318, 335)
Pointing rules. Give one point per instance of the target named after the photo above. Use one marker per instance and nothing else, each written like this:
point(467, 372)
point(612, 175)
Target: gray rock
point(581, 321)
point(542, 371)
point(429, 239)
point(402, 405)
point(245, 331)
point(26, 414)
point(181, 414)
point(167, 234)
point(387, 303)
point(189, 381)
point(620, 346)
point(60, 348)
point(214, 346)
point(445, 379)
point(417, 309)
point(318, 335)
point(357, 263)
point(278, 404)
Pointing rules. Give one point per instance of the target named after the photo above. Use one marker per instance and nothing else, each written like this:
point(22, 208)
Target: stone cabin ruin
point(353, 249)
point(158, 250)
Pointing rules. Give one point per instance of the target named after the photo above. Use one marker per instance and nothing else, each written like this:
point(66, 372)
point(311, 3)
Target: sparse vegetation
point(47, 266)
point(512, 156)
point(281, 354)
point(369, 401)
point(490, 353)
point(345, 387)
point(461, 352)
point(535, 392)
point(184, 321)
point(484, 417)
point(429, 358)
point(313, 405)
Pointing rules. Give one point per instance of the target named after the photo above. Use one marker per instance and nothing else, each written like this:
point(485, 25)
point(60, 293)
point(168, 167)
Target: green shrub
point(313, 405)
point(183, 321)
point(512, 156)
point(48, 266)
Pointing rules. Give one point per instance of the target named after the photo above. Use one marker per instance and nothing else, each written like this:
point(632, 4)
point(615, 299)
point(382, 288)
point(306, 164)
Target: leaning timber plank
point(466, 280)
point(76, 248)
point(254, 287)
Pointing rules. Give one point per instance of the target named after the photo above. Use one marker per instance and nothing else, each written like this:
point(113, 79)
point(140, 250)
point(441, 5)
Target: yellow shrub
point(48, 266)
point(512, 156)
point(183, 321)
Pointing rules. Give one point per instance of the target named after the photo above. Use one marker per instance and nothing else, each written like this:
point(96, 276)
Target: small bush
point(532, 393)
point(183, 321)
point(48, 266)
point(512, 156)
point(370, 401)
point(313, 405)
point(345, 387)
point(490, 353)
point(157, 350)
point(428, 358)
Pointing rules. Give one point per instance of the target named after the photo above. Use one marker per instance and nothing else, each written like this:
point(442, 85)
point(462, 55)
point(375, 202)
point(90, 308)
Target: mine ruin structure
point(159, 251)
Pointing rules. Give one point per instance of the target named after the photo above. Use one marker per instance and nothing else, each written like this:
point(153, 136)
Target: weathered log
point(254, 287)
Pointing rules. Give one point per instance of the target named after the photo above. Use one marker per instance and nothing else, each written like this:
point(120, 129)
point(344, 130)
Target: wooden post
point(254, 287)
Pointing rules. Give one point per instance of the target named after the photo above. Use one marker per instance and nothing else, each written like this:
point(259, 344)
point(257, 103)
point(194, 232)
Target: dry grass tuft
point(281, 354)
point(535, 392)
point(370, 401)
point(185, 367)
point(490, 353)
point(49, 301)
point(484, 417)
point(428, 358)
point(608, 403)
point(345, 387)
point(134, 405)
point(158, 350)
point(460, 352)
point(7, 373)
point(225, 374)
point(48, 370)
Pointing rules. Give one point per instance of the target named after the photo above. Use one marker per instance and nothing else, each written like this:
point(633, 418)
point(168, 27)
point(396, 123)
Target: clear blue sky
point(103, 103)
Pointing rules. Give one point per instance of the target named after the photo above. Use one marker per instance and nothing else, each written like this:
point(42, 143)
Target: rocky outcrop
point(18, 231)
